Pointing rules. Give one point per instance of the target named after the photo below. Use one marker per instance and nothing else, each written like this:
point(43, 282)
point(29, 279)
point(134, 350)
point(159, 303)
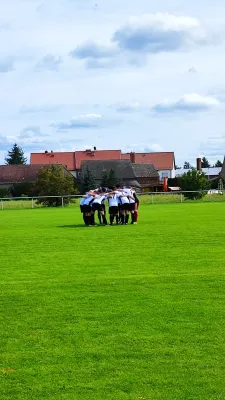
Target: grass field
point(128, 312)
point(154, 198)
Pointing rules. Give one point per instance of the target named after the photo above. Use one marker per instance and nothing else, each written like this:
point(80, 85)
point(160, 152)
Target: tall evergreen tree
point(87, 180)
point(205, 163)
point(105, 179)
point(218, 163)
point(187, 165)
point(15, 156)
point(112, 179)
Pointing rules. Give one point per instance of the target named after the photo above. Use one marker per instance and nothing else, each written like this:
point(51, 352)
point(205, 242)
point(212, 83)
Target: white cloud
point(86, 121)
point(128, 107)
point(155, 33)
point(188, 103)
point(146, 58)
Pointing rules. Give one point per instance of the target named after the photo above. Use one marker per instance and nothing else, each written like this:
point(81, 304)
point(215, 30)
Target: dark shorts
point(113, 210)
point(97, 207)
point(132, 206)
point(81, 209)
point(86, 208)
point(125, 207)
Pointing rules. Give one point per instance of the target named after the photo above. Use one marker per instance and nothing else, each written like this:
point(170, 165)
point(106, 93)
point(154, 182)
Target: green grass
point(144, 199)
point(128, 312)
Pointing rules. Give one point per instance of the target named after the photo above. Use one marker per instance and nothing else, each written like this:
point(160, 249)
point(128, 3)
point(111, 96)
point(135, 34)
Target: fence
point(145, 198)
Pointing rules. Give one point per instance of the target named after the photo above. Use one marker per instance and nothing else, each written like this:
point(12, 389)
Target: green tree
point(15, 156)
point(53, 180)
point(187, 165)
point(194, 181)
point(4, 193)
point(87, 180)
point(205, 163)
point(105, 179)
point(112, 179)
point(218, 164)
point(22, 189)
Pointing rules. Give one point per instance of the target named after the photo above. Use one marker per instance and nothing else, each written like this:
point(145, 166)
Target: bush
point(22, 189)
point(194, 181)
point(54, 180)
point(4, 193)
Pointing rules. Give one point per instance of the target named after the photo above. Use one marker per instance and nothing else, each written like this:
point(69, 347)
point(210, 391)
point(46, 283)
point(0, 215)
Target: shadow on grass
point(84, 226)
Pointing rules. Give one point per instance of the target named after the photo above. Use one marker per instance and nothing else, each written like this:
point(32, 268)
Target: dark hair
point(118, 186)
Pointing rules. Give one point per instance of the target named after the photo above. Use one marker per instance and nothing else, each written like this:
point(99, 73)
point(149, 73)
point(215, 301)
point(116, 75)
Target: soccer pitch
point(121, 312)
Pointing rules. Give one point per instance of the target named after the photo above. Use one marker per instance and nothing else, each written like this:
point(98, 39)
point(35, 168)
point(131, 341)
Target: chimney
point(199, 163)
point(132, 157)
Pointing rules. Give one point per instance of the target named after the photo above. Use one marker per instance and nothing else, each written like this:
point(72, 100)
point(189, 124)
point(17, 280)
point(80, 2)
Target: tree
point(187, 165)
point(218, 164)
point(205, 163)
point(87, 180)
point(22, 189)
point(53, 180)
point(105, 179)
point(194, 181)
point(112, 179)
point(15, 156)
point(4, 193)
point(109, 179)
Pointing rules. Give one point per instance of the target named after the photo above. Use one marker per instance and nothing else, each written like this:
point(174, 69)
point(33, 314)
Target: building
point(212, 173)
point(14, 174)
point(164, 162)
point(142, 176)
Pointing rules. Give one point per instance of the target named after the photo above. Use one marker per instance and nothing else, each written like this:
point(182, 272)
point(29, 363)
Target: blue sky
point(141, 76)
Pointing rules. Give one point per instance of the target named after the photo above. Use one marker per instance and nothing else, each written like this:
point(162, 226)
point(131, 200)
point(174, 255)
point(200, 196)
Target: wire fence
point(145, 198)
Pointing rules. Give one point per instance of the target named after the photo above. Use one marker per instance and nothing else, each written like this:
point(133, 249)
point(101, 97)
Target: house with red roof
point(164, 162)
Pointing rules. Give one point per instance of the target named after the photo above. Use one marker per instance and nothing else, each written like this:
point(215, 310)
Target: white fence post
point(2, 204)
point(152, 198)
point(32, 203)
point(62, 202)
point(181, 198)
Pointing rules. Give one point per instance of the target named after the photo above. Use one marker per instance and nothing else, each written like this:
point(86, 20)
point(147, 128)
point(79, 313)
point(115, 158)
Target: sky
point(131, 75)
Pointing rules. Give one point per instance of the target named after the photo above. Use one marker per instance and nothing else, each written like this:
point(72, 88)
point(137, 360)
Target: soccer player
point(82, 208)
point(113, 207)
point(130, 192)
point(125, 207)
point(98, 205)
point(89, 217)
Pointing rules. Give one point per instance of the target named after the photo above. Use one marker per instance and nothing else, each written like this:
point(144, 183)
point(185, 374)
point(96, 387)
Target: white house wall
point(166, 173)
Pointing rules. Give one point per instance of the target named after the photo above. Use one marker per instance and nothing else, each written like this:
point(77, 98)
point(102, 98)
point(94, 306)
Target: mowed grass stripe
point(125, 312)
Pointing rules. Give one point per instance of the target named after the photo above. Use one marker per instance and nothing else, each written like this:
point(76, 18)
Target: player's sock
point(104, 220)
point(132, 218)
point(111, 219)
point(122, 219)
point(117, 219)
point(126, 218)
point(135, 216)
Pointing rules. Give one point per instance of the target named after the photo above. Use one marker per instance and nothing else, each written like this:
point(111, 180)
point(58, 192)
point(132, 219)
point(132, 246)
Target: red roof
point(18, 173)
point(72, 160)
point(64, 158)
point(98, 155)
point(160, 160)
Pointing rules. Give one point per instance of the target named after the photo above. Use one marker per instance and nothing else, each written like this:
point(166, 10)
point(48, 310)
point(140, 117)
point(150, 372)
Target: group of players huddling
point(122, 203)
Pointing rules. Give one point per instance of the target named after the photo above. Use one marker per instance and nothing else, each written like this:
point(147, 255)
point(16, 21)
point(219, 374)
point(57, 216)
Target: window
point(165, 175)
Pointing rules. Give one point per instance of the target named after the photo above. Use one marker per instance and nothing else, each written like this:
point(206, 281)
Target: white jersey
point(123, 197)
point(113, 200)
point(131, 193)
point(99, 199)
point(87, 200)
point(82, 201)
